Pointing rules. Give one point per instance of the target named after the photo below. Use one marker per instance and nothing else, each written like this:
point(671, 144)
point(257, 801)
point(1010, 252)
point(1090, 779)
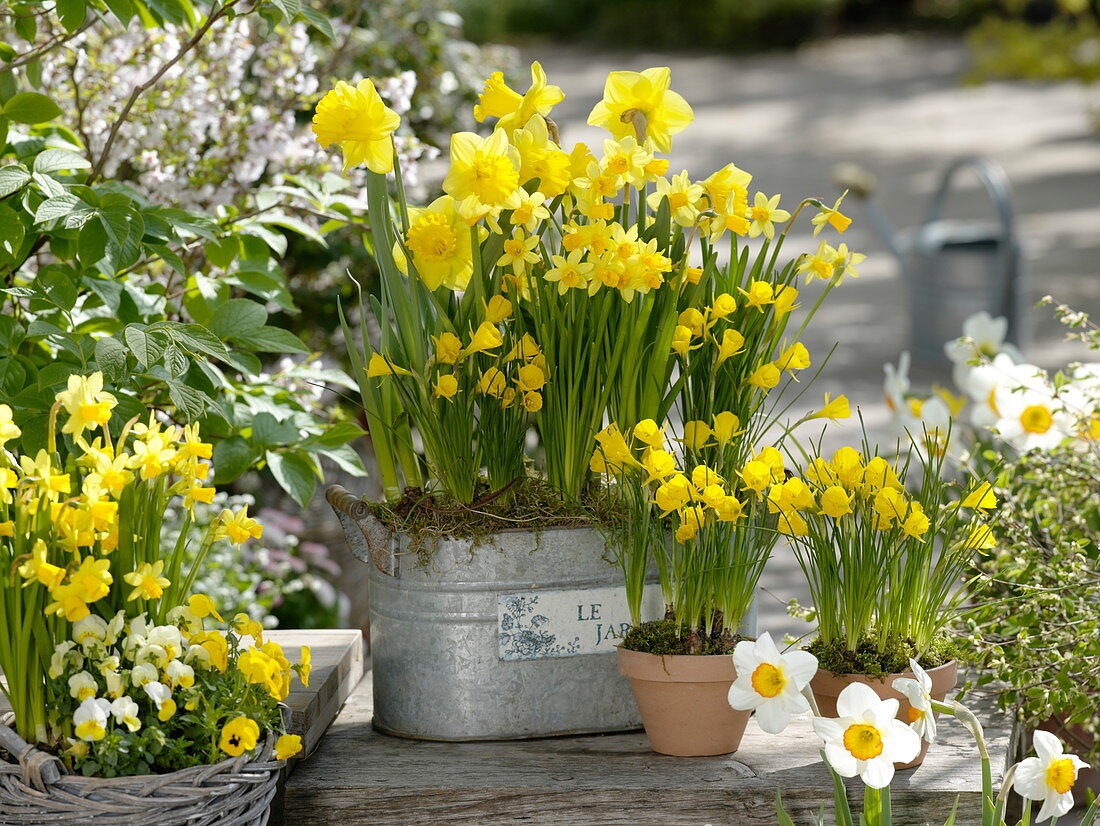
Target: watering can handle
point(368, 539)
point(996, 184)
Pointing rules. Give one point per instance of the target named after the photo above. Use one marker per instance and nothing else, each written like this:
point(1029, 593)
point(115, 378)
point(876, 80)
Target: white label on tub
point(539, 624)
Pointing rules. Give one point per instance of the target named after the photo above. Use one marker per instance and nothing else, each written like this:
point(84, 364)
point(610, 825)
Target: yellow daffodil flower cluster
point(882, 559)
point(601, 258)
point(148, 684)
point(80, 524)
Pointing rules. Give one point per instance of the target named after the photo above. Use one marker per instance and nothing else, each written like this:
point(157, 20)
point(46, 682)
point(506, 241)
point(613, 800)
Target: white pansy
point(90, 632)
point(1049, 777)
point(159, 693)
point(82, 685)
point(116, 686)
point(866, 739)
point(918, 692)
point(771, 682)
point(63, 657)
point(115, 628)
point(90, 719)
point(180, 674)
point(126, 712)
point(144, 673)
point(168, 637)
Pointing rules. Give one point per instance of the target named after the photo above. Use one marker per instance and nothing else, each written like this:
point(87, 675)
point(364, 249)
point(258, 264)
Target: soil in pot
point(827, 684)
point(682, 696)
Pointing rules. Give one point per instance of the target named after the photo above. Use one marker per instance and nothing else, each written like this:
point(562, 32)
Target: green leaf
point(232, 457)
point(267, 431)
point(54, 208)
point(238, 315)
point(319, 21)
point(223, 252)
point(72, 13)
point(122, 9)
point(145, 348)
point(781, 815)
point(11, 231)
point(289, 8)
point(196, 337)
point(31, 107)
point(13, 178)
point(294, 473)
point(340, 433)
point(110, 355)
point(188, 401)
point(91, 245)
point(55, 160)
point(270, 340)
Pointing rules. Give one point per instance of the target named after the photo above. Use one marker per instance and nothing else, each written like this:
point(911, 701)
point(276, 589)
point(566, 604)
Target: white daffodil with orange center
point(1032, 419)
point(771, 682)
point(918, 691)
point(866, 739)
point(1049, 777)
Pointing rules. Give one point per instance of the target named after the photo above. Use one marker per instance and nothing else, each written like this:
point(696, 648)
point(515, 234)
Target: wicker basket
point(36, 791)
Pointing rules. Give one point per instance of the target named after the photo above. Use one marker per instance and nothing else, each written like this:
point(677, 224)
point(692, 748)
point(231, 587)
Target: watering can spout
point(861, 183)
point(368, 538)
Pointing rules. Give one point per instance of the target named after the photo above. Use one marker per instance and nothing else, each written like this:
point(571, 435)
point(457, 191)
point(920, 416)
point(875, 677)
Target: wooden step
point(359, 776)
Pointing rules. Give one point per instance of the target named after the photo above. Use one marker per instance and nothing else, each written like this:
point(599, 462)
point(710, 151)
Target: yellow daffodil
point(305, 665)
point(759, 294)
point(440, 244)
point(981, 498)
point(916, 522)
point(658, 464)
point(836, 501)
point(8, 428)
point(641, 104)
point(37, 569)
point(570, 273)
point(239, 735)
point(765, 214)
point(519, 251)
point(726, 182)
point(765, 377)
point(499, 100)
point(756, 475)
point(86, 403)
point(831, 216)
point(238, 526)
point(147, 581)
point(626, 159)
point(379, 365)
point(683, 198)
point(649, 433)
point(69, 601)
point(93, 578)
point(484, 339)
point(673, 494)
point(795, 357)
point(981, 538)
point(691, 520)
point(786, 299)
point(725, 426)
point(833, 409)
point(614, 448)
point(532, 401)
point(732, 344)
point(356, 118)
point(447, 348)
point(492, 382)
point(681, 341)
point(484, 171)
point(529, 211)
point(446, 386)
point(696, 435)
point(530, 378)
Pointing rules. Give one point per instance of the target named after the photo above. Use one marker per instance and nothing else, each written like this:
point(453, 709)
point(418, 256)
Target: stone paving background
point(895, 105)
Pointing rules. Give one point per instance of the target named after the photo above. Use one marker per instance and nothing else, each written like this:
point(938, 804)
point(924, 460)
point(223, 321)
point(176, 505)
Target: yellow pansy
point(202, 606)
point(287, 746)
point(356, 118)
point(239, 735)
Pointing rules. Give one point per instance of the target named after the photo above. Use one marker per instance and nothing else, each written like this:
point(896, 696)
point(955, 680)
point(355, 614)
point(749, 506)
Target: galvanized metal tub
point(510, 637)
point(474, 644)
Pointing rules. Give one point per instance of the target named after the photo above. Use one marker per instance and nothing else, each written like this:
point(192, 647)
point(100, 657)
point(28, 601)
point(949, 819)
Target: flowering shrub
point(279, 580)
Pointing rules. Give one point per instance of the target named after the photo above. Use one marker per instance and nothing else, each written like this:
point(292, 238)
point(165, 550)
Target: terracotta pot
point(1077, 741)
point(682, 700)
point(827, 687)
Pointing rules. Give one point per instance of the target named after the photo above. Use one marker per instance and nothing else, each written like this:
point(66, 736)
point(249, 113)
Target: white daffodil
point(90, 719)
point(1032, 420)
point(919, 694)
point(1048, 777)
point(896, 388)
point(983, 336)
point(126, 712)
point(771, 682)
point(866, 739)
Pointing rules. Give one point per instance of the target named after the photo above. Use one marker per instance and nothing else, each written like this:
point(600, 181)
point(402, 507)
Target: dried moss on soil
point(665, 637)
point(868, 660)
point(530, 504)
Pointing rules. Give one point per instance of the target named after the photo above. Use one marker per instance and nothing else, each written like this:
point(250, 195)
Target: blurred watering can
point(953, 269)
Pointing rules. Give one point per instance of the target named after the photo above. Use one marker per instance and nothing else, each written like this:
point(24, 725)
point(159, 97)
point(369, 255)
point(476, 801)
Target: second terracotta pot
point(827, 687)
point(682, 700)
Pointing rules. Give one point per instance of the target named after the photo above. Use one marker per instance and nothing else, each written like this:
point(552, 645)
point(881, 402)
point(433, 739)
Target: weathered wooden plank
point(359, 776)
